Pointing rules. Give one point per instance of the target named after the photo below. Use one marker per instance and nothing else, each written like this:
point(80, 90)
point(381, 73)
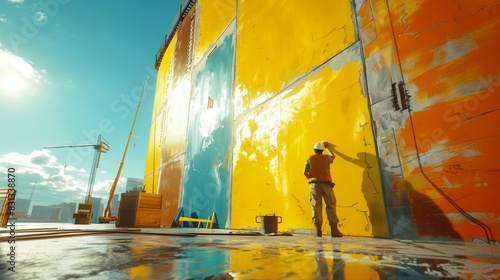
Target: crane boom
point(72, 146)
point(108, 216)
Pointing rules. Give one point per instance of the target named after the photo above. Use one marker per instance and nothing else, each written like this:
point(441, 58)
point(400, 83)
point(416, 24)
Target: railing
point(183, 11)
point(8, 195)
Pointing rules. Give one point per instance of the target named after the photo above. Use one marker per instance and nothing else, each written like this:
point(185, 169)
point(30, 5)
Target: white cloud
point(3, 19)
point(40, 17)
point(17, 76)
point(16, 1)
point(54, 182)
point(103, 187)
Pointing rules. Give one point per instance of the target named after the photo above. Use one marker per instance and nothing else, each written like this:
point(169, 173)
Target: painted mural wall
point(406, 90)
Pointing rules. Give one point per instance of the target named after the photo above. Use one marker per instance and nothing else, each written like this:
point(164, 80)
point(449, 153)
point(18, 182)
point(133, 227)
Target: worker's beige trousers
point(320, 191)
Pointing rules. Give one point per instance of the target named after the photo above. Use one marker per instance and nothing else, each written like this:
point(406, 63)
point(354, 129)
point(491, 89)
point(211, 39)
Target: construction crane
point(108, 215)
point(84, 212)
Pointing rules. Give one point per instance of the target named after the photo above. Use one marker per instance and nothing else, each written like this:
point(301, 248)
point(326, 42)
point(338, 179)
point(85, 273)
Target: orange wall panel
point(442, 151)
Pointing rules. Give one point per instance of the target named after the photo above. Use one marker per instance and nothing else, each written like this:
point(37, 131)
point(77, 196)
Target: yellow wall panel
point(330, 106)
point(154, 145)
point(279, 40)
point(256, 190)
point(213, 18)
point(273, 142)
point(162, 79)
point(174, 119)
point(152, 159)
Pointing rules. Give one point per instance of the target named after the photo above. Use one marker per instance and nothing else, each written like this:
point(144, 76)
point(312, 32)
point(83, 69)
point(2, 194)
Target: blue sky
point(70, 70)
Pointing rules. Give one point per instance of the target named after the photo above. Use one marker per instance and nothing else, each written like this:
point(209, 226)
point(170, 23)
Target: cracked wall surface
point(246, 88)
point(275, 140)
point(439, 157)
point(298, 81)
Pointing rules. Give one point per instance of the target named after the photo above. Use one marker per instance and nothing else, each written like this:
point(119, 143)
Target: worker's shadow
point(411, 214)
point(371, 189)
point(428, 219)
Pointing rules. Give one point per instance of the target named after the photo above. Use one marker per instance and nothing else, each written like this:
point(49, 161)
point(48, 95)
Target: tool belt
point(331, 184)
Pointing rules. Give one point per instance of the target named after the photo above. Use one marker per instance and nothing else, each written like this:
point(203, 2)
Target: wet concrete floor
point(184, 254)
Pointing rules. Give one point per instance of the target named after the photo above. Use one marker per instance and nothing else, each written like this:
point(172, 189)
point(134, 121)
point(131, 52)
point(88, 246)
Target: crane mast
point(84, 212)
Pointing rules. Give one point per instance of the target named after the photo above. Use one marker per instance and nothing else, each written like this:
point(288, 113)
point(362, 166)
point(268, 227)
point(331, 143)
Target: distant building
point(22, 207)
point(115, 204)
point(72, 208)
point(55, 213)
point(133, 184)
point(39, 212)
point(67, 210)
point(97, 209)
point(52, 212)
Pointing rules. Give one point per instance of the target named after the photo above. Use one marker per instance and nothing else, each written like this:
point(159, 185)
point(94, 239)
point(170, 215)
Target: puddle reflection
point(160, 257)
point(199, 260)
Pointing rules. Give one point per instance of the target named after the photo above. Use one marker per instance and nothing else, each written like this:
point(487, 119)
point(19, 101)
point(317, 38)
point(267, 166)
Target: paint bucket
point(269, 223)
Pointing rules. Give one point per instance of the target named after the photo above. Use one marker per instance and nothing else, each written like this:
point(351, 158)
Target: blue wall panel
point(206, 180)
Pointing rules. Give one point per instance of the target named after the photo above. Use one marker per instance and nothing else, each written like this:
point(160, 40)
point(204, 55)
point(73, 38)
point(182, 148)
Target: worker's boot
point(317, 231)
point(336, 232)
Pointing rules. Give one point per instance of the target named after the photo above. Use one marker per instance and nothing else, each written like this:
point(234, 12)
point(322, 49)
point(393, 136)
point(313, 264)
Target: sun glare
point(17, 76)
point(12, 84)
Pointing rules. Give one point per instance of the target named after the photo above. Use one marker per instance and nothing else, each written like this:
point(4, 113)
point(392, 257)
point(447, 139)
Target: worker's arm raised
point(327, 146)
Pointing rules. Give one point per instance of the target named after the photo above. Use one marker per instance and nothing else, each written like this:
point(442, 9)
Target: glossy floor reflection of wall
point(160, 256)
